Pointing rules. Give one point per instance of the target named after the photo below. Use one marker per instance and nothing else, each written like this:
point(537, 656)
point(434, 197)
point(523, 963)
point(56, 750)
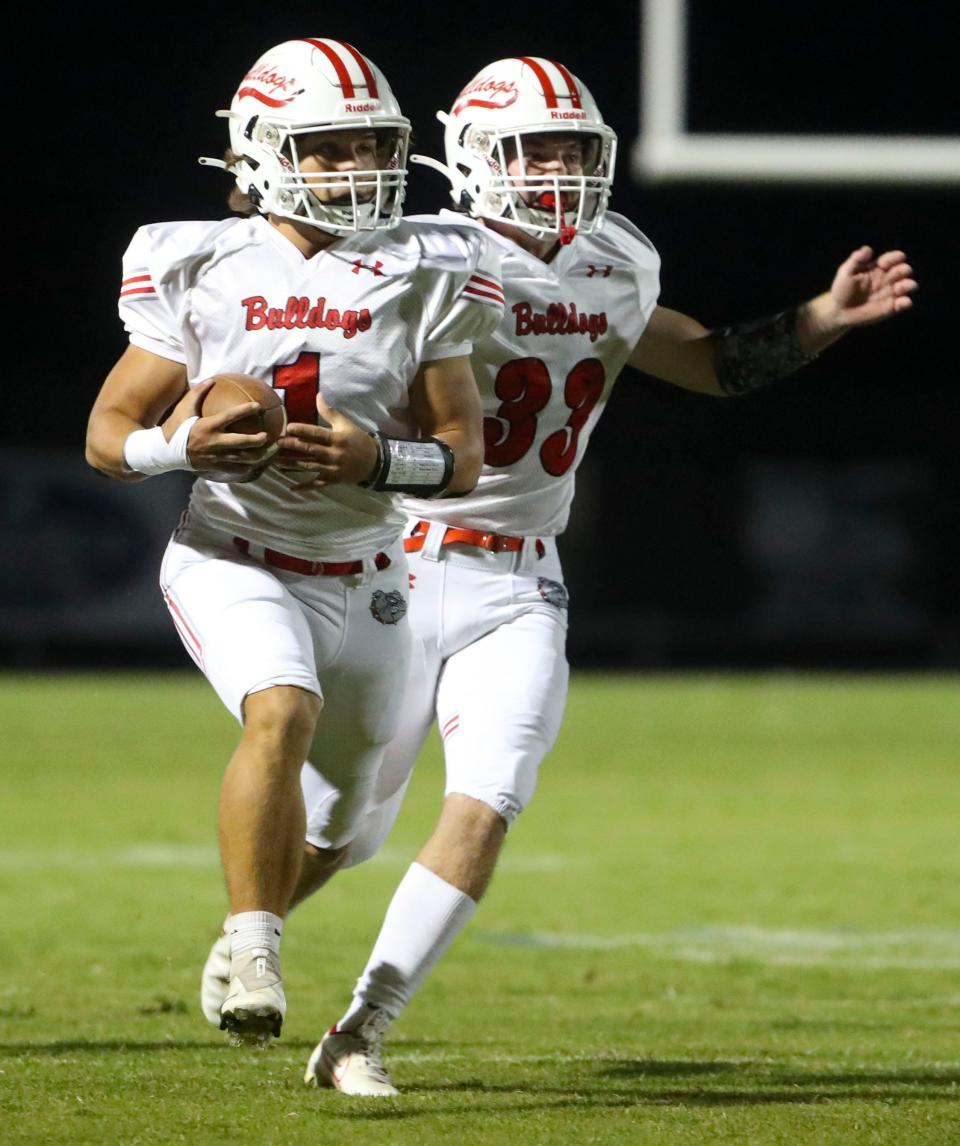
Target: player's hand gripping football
point(211, 447)
point(337, 453)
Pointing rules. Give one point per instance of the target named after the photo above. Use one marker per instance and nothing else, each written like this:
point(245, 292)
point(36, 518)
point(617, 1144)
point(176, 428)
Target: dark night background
point(812, 525)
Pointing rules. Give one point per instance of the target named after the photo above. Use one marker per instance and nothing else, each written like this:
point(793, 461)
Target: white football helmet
point(301, 87)
point(485, 132)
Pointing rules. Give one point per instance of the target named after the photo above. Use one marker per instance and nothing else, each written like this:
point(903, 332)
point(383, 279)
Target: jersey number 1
point(299, 384)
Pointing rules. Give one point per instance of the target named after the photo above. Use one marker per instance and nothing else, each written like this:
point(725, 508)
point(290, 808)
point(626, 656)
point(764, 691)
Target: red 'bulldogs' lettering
point(559, 319)
point(487, 91)
point(301, 314)
point(266, 74)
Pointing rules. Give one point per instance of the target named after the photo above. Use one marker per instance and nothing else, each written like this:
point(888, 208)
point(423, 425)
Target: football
point(234, 390)
point(229, 390)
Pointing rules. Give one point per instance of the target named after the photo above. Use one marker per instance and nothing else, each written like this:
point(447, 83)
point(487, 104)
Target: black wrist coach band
point(420, 469)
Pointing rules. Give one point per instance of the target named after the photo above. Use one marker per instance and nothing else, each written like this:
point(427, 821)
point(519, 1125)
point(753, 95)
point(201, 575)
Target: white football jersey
point(355, 321)
point(545, 373)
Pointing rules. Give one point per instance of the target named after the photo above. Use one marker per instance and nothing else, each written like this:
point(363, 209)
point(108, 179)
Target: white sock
point(248, 929)
point(424, 917)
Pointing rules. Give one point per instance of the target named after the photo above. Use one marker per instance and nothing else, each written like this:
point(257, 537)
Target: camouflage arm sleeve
point(751, 355)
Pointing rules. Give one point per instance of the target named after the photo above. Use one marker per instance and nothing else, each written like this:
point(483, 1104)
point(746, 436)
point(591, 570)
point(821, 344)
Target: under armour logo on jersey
point(604, 272)
point(359, 265)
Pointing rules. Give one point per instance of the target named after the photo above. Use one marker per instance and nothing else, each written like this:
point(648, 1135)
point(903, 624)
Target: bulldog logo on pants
point(387, 608)
point(553, 592)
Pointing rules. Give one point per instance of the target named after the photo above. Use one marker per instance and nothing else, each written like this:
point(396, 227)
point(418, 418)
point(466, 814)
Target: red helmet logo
point(487, 92)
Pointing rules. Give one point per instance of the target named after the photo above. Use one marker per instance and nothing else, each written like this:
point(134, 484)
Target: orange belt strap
point(454, 535)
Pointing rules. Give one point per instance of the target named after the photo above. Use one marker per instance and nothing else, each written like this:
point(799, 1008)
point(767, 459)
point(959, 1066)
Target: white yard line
point(917, 948)
point(193, 855)
point(911, 949)
point(146, 855)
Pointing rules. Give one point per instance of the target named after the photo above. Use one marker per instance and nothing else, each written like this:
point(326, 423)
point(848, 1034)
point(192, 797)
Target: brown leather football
point(229, 390)
point(234, 390)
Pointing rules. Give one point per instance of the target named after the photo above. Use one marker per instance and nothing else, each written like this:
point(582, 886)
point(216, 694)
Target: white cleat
point(215, 980)
point(350, 1061)
point(255, 1005)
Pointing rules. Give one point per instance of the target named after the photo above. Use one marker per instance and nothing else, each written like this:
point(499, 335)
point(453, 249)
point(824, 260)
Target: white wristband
point(148, 451)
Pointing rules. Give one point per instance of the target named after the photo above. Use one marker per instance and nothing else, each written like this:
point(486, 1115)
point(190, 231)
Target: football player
point(286, 578)
point(530, 162)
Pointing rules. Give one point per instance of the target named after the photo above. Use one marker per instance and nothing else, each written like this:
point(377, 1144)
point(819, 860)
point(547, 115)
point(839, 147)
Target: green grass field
point(732, 914)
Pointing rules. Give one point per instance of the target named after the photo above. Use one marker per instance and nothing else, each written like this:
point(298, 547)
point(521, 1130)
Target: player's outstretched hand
point(338, 453)
point(869, 289)
point(211, 446)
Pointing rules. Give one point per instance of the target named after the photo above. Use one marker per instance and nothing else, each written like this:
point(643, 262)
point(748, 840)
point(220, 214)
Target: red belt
point(454, 535)
point(311, 568)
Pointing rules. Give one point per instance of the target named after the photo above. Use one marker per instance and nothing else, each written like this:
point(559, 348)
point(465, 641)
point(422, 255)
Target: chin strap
point(205, 160)
point(455, 178)
point(429, 161)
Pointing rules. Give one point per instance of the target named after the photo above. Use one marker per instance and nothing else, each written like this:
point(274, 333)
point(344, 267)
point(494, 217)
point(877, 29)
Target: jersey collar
point(514, 249)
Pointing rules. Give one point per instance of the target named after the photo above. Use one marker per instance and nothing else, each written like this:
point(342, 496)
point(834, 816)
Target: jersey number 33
point(524, 387)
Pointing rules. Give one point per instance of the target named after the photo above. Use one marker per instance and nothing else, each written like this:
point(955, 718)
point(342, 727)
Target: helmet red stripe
point(364, 67)
point(540, 72)
point(571, 83)
point(341, 69)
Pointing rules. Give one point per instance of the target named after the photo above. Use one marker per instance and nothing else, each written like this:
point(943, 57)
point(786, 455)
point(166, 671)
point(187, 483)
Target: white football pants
point(250, 627)
point(489, 665)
